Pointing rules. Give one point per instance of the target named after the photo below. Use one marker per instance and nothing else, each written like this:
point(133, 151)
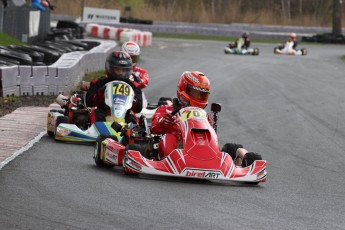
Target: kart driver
point(118, 66)
point(140, 74)
point(294, 40)
point(193, 89)
point(243, 39)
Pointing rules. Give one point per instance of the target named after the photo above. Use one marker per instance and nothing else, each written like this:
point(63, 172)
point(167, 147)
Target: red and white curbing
point(142, 38)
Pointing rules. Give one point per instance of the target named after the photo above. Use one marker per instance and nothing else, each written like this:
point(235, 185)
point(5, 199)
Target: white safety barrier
point(57, 78)
point(143, 38)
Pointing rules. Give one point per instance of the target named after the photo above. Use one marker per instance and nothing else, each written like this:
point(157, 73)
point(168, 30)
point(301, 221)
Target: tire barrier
point(325, 38)
point(142, 38)
point(56, 78)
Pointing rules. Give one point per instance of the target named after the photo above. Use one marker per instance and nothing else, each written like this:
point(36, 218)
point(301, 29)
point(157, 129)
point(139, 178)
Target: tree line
point(283, 12)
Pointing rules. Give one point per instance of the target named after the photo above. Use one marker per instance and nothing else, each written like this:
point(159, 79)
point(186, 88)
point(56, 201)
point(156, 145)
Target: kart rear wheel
point(231, 149)
point(304, 51)
point(134, 147)
point(51, 134)
point(60, 120)
point(98, 149)
point(256, 51)
point(249, 159)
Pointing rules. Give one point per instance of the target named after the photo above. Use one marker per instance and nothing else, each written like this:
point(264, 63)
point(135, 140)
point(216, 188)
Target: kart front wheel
point(275, 50)
point(98, 149)
point(135, 147)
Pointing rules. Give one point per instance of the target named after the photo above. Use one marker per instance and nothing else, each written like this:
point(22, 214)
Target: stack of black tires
point(62, 39)
point(325, 38)
point(135, 21)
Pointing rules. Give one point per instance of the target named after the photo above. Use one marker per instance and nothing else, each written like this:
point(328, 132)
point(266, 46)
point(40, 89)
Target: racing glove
point(119, 128)
point(167, 119)
point(136, 79)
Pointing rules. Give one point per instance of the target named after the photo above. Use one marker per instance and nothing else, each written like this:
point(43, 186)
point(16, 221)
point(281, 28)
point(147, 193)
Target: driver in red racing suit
point(141, 75)
point(294, 40)
point(193, 89)
point(118, 66)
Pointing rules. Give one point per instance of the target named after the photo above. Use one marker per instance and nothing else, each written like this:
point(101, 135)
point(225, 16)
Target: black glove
point(119, 128)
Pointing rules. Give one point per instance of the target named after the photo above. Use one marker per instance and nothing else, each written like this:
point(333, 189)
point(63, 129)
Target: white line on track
point(23, 149)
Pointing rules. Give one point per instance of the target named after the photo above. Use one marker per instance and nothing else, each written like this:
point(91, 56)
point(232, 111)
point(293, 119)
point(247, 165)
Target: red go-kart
point(197, 156)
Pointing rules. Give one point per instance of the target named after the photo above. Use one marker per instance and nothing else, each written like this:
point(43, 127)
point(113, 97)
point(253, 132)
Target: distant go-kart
point(197, 156)
point(236, 48)
point(288, 50)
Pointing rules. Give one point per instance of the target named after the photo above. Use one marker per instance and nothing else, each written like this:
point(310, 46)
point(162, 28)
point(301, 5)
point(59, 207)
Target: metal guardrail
point(232, 30)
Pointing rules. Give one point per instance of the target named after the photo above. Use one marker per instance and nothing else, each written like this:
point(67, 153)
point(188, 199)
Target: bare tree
point(337, 10)
point(300, 8)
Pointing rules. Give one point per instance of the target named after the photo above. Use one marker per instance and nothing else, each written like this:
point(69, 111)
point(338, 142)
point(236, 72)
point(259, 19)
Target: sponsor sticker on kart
point(202, 173)
point(62, 132)
point(111, 156)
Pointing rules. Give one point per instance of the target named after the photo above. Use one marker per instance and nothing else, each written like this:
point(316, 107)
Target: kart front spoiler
point(180, 164)
point(72, 133)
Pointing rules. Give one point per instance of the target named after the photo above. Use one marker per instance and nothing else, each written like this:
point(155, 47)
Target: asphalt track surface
point(290, 109)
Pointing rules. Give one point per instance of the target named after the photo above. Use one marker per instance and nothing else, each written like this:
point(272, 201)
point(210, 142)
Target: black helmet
point(118, 65)
point(245, 35)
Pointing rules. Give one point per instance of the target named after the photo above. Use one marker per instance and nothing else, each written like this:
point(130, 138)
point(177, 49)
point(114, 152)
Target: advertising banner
point(98, 15)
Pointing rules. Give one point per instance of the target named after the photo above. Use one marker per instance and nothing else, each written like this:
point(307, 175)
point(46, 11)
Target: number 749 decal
point(121, 89)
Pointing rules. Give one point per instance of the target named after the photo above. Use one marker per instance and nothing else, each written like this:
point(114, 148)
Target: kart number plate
point(121, 89)
point(192, 114)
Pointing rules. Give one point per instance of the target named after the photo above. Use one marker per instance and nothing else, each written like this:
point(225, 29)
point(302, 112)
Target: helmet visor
point(197, 93)
point(120, 73)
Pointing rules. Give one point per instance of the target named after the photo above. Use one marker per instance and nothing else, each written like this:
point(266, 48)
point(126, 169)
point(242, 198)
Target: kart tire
point(275, 50)
point(35, 56)
point(256, 51)
point(9, 61)
point(59, 120)
point(91, 44)
point(24, 59)
point(231, 149)
point(77, 43)
point(135, 147)
point(227, 50)
point(51, 133)
point(249, 159)
point(52, 47)
point(304, 51)
point(49, 56)
point(97, 150)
